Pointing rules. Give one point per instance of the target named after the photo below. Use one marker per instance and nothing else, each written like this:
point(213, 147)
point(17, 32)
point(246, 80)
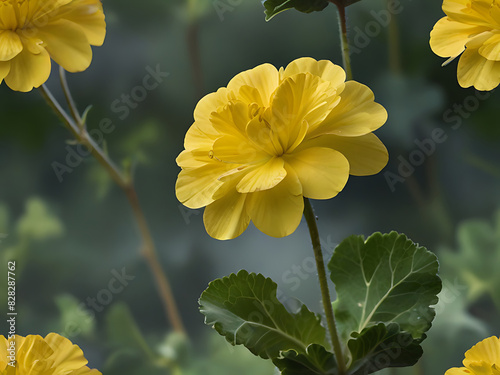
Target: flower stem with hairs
point(77, 126)
point(323, 283)
point(343, 38)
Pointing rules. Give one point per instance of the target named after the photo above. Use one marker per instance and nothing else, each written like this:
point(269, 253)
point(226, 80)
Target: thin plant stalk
point(323, 283)
point(76, 125)
point(343, 38)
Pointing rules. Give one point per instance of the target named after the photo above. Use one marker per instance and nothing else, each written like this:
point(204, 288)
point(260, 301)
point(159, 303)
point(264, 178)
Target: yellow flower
point(34, 31)
point(472, 27)
point(482, 359)
point(272, 137)
point(52, 355)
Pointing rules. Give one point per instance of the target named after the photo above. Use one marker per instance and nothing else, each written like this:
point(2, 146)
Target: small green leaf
point(273, 7)
point(38, 223)
point(381, 346)
point(245, 310)
point(75, 319)
point(386, 278)
point(317, 361)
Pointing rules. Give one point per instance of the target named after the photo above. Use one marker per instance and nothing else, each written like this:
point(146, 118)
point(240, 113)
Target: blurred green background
point(69, 237)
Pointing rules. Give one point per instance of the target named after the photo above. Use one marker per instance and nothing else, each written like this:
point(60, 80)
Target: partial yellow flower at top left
point(33, 354)
point(32, 32)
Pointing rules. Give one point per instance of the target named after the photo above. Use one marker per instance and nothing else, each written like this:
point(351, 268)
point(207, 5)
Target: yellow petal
point(28, 70)
point(10, 45)
point(208, 104)
point(303, 97)
point(487, 350)
point(4, 69)
point(263, 136)
point(448, 37)
point(277, 212)
point(195, 187)
point(475, 70)
point(3, 353)
point(322, 172)
point(264, 78)
point(85, 371)
point(356, 114)
point(87, 14)
point(67, 356)
point(201, 138)
point(458, 371)
point(491, 48)
point(67, 45)
point(475, 12)
point(263, 177)
point(324, 69)
point(33, 354)
point(237, 150)
point(231, 119)
point(226, 218)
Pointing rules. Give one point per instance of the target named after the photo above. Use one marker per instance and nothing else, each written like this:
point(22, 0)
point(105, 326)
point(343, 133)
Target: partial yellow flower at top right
point(471, 28)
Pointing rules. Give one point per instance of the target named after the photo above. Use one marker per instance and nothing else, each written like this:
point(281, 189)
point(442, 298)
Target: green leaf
point(381, 346)
point(273, 7)
point(476, 261)
point(245, 310)
point(123, 331)
point(38, 223)
point(386, 279)
point(317, 361)
point(75, 319)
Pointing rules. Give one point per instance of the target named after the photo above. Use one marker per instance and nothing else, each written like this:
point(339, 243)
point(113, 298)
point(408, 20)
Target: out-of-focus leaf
point(477, 259)
point(123, 330)
point(38, 222)
point(245, 310)
point(75, 319)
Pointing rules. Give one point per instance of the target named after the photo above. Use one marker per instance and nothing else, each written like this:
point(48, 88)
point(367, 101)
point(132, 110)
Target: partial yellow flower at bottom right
point(482, 359)
point(471, 28)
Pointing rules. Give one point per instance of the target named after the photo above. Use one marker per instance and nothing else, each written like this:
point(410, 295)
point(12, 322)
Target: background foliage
point(69, 237)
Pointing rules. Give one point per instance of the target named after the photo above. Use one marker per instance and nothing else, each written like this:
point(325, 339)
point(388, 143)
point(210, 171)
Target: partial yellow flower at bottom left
point(35, 355)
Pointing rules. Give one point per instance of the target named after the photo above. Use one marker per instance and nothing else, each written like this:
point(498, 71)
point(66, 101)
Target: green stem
point(78, 129)
point(343, 38)
point(323, 283)
point(394, 49)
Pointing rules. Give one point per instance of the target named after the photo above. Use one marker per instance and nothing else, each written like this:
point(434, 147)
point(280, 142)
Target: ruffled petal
point(67, 45)
point(208, 104)
point(491, 48)
point(487, 351)
point(302, 97)
point(226, 218)
point(457, 371)
point(263, 177)
point(28, 70)
point(88, 15)
point(277, 212)
point(366, 155)
point(67, 356)
point(357, 114)
point(264, 78)
point(475, 70)
point(237, 150)
point(324, 69)
point(195, 187)
point(449, 37)
point(10, 45)
point(85, 371)
point(322, 172)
